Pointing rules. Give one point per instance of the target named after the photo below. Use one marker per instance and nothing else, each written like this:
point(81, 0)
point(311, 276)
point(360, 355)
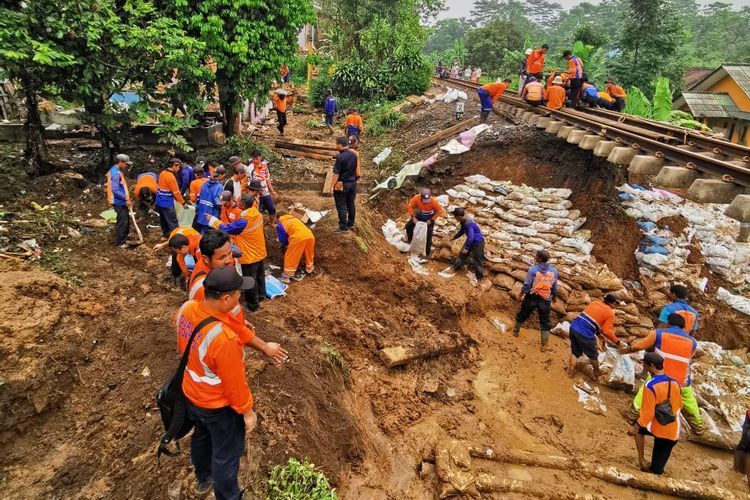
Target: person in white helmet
point(523, 69)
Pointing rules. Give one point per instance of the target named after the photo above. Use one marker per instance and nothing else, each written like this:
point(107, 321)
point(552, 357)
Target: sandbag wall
point(519, 220)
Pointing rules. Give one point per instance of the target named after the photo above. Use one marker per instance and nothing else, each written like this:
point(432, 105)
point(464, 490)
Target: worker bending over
point(555, 94)
point(617, 92)
point(677, 347)
point(598, 318)
point(489, 94)
point(423, 207)
point(248, 234)
point(166, 195)
point(679, 305)
point(146, 185)
point(539, 288)
point(118, 197)
point(590, 94)
point(473, 249)
point(299, 242)
point(533, 92)
point(182, 241)
point(659, 416)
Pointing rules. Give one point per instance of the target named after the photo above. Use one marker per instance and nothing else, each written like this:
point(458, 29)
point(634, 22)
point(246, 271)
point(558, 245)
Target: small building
point(721, 100)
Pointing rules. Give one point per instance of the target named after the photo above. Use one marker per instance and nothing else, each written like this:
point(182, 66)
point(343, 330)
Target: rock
point(430, 386)
point(95, 223)
point(517, 291)
point(74, 233)
point(426, 469)
point(146, 372)
point(450, 392)
point(503, 281)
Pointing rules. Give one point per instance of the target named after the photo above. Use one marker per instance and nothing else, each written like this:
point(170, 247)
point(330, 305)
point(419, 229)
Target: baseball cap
point(226, 279)
point(233, 160)
point(255, 185)
point(528, 52)
point(557, 80)
point(123, 158)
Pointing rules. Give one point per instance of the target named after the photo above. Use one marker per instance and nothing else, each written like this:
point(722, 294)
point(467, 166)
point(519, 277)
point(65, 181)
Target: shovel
point(137, 229)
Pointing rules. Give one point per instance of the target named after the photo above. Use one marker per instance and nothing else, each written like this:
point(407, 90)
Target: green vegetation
point(299, 481)
point(384, 120)
point(242, 146)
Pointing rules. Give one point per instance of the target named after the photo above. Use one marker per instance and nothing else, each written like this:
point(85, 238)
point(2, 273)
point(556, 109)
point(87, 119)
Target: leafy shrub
point(299, 481)
point(316, 93)
point(242, 147)
point(399, 75)
point(637, 103)
point(662, 103)
point(382, 121)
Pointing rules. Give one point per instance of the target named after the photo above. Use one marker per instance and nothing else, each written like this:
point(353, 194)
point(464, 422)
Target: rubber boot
point(545, 339)
point(517, 329)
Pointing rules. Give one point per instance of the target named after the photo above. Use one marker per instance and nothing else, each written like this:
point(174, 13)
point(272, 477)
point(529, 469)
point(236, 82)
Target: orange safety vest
point(194, 240)
point(534, 91)
point(535, 62)
point(555, 96)
point(677, 348)
point(295, 228)
point(215, 371)
point(615, 90)
point(251, 241)
point(195, 188)
point(543, 283)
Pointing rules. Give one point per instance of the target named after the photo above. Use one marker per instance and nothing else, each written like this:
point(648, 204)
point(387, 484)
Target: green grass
point(299, 481)
point(336, 360)
point(59, 264)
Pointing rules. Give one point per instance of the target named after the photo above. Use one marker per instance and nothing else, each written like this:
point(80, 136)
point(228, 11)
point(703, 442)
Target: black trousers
point(167, 220)
point(254, 295)
point(661, 453)
point(410, 234)
point(345, 205)
point(575, 91)
point(122, 224)
point(475, 256)
point(217, 444)
point(533, 302)
point(281, 118)
point(619, 104)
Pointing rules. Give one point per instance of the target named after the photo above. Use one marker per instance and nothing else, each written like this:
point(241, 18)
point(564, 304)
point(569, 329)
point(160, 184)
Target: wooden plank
point(327, 182)
point(304, 154)
point(313, 144)
point(300, 147)
point(443, 134)
point(415, 100)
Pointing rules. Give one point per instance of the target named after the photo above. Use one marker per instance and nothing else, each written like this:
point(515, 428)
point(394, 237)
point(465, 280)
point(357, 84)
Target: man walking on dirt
point(598, 318)
point(539, 288)
point(344, 185)
point(473, 249)
point(118, 197)
point(166, 195)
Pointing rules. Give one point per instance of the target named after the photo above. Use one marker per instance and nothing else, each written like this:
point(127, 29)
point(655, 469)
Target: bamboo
point(443, 134)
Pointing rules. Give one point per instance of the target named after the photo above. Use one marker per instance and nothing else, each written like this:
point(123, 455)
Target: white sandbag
point(562, 214)
point(541, 226)
point(382, 156)
point(477, 192)
point(478, 179)
point(462, 188)
point(394, 236)
point(736, 302)
point(652, 259)
point(454, 148)
point(443, 200)
point(563, 193)
point(419, 239)
point(532, 208)
point(526, 231)
point(579, 244)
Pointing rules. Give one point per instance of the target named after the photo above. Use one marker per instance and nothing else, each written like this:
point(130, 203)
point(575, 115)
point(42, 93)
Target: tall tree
point(247, 40)
point(487, 46)
point(543, 12)
point(445, 33)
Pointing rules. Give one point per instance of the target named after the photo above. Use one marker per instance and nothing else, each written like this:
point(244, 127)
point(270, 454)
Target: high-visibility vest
point(543, 283)
point(534, 91)
point(677, 348)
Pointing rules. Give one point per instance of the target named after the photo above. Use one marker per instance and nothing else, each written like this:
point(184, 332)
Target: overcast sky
point(461, 8)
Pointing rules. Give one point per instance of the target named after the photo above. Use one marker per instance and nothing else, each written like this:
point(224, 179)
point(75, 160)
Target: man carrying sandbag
point(598, 318)
point(539, 288)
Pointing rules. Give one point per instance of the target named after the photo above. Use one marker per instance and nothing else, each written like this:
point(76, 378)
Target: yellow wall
point(728, 86)
point(722, 125)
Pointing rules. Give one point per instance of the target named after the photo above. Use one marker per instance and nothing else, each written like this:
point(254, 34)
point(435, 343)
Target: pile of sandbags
point(663, 255)
point(519, 220)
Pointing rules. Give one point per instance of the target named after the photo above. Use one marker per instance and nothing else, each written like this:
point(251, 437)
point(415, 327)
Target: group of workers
point(354, 126)
point(468, 74)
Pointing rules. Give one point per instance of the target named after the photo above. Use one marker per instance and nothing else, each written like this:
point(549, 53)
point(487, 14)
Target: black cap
point(255, 185)
point(175, 161)
point(654, 360)
point(225, 280)
point(458, 212)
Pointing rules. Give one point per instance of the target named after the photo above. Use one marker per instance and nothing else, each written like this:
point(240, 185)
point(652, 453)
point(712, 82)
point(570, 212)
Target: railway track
point(683, 147)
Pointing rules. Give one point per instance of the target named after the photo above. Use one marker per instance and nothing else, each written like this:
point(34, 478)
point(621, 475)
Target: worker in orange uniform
point(598, 318)
point(215, 251)
point(489, 94)
point(353, 124)
point(575, 77)
point(539, 288)
point(285, 73)
point(279, 104)
point(230, 209)
point(555, 94)
point(197, 184)
point(604, 100)
point(166, 195)
point(659, 416)
point(423, 208)
point(146, 185)
point(679, 305)
point(535, 65)
point(182, 241)
point(118, 197)
point(299, 242)
point(617, 92)
point(533, 92)
point(247, 230)
point(677, 347)
point(219, 401)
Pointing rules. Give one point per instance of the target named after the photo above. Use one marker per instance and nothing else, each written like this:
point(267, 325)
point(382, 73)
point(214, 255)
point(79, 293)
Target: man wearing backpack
point(659, 416)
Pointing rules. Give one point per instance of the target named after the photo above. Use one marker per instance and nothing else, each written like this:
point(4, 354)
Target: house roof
point(739, 73)
point(694, 75)
point(709, 105)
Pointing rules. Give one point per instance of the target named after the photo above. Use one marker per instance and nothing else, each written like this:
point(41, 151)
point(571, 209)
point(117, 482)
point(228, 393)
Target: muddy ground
point(86, 350)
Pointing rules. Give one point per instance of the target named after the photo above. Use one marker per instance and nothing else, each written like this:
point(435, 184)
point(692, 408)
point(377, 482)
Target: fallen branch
point(304, 154)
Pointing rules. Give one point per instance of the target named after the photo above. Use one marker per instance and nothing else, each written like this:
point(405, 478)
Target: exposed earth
point(88, 339)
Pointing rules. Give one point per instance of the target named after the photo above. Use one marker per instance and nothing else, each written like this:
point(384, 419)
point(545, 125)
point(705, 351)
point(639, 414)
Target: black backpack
point(663, 411)
point(172, 402)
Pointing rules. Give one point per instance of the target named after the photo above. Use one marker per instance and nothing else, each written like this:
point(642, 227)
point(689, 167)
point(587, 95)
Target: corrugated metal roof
point(741, 75)
point(705, 105)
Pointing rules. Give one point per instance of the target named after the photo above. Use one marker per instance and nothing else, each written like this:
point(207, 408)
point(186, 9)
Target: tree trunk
point(109, 138)
point(36, 146)
point(227, 103)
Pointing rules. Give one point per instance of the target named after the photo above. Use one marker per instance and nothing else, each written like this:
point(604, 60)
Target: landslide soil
point(109, 344)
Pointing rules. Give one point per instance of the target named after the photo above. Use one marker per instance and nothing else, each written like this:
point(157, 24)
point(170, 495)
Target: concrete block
point(527, 116)
point(589, 142)
point(739, 208)
point(542, 122)
point(575, 136)
point(520, 112)
point(645, 165)
point(564, 132)
point(554, 126)
point(713, 191)
point(676, 177)
point(621, 155)
point(603, 149)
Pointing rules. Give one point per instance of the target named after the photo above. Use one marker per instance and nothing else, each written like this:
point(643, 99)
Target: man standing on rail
point(523, 69)
point(489, 94)
point(575, 77)
point(539, 288)
point(617, 93)
point(535, 63)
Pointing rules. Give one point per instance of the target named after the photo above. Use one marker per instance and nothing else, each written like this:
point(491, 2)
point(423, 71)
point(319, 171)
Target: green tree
point(247, 40)
point(487, 46)
point(445, 33)
point(589, 34)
